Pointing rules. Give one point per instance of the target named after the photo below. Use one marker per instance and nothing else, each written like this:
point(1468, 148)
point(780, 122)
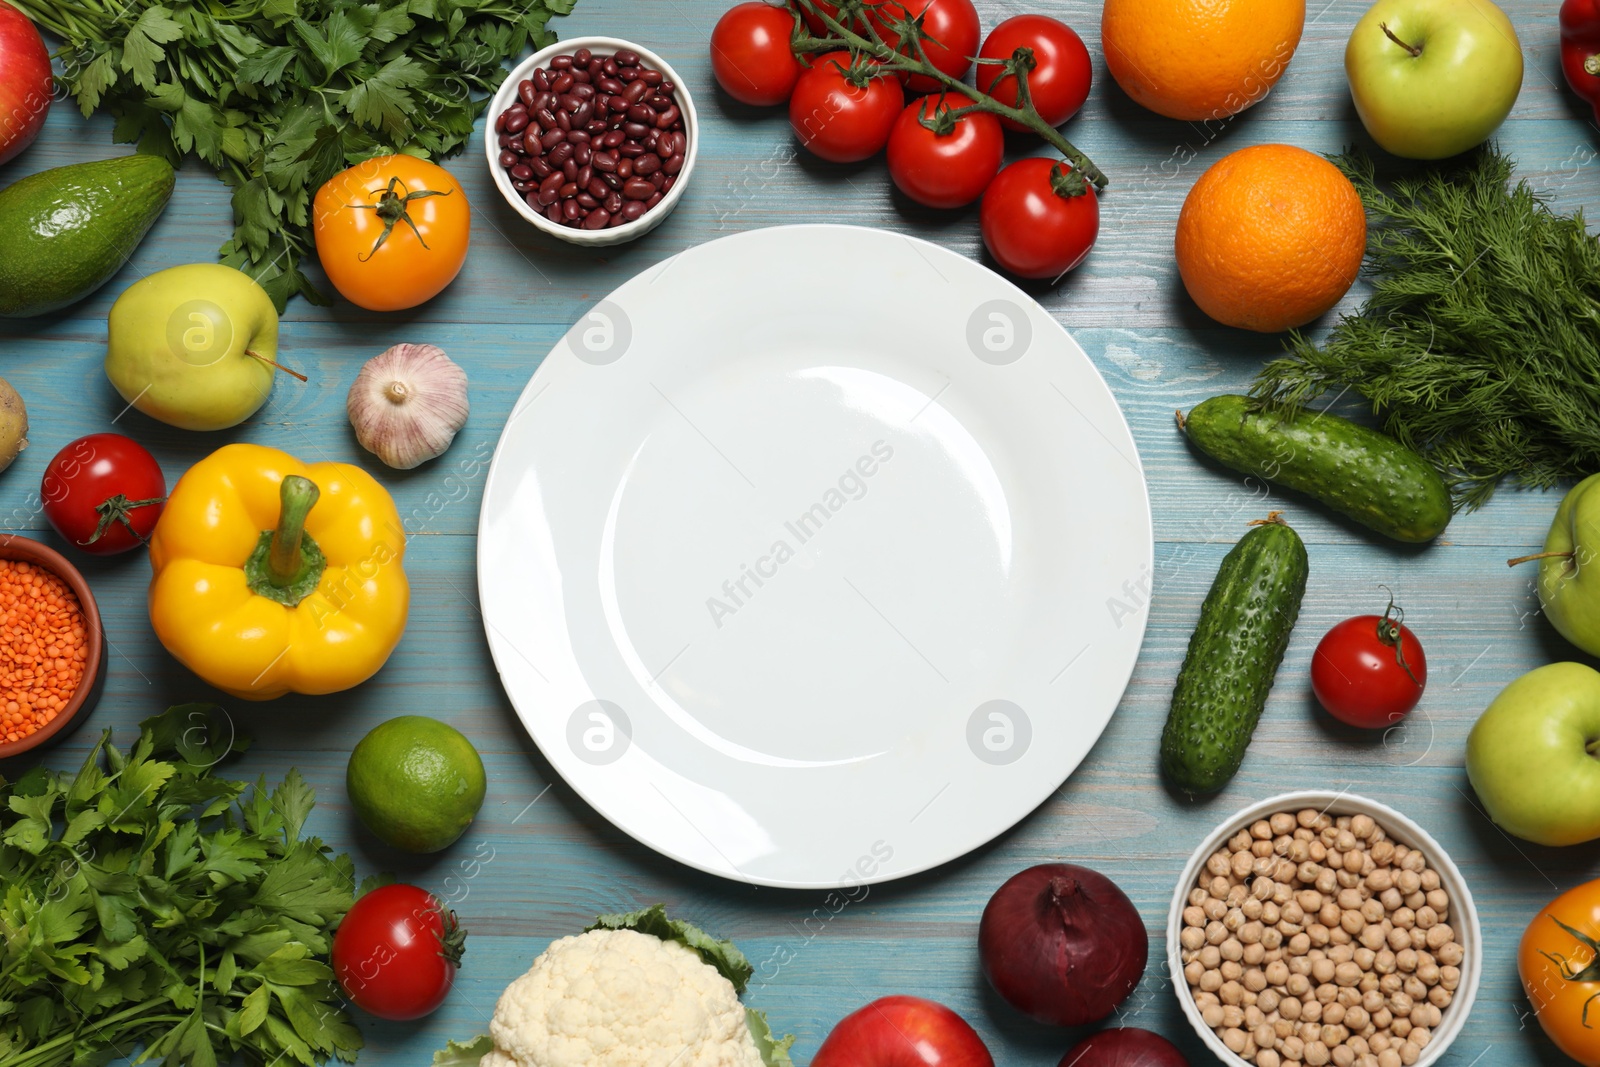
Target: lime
point(415, 782)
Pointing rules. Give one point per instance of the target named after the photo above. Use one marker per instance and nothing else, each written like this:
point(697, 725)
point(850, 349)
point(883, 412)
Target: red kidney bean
point(594, 141)
point(549, 188)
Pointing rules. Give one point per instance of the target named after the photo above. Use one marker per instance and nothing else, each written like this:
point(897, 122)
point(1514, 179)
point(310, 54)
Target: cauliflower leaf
point(723, 956)
point(468, 1053)
point(774, 1051)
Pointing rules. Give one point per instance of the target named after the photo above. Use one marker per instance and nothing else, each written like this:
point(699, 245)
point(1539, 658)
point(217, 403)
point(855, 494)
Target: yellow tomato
point(391, 232)
point(1559, 962)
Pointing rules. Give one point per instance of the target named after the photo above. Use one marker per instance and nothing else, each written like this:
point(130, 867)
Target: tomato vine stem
point(909, 32)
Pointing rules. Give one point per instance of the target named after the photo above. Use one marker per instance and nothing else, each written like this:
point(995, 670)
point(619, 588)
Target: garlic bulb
point(407, 404)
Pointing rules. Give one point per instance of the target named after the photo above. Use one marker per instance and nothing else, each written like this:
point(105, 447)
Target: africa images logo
point(852, 485)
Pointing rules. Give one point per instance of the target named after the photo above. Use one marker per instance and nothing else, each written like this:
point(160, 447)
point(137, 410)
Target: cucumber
point(1356, 471)
point(1233, 656)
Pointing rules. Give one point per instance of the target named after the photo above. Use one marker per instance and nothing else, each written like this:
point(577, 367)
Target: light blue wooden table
point(556, 863)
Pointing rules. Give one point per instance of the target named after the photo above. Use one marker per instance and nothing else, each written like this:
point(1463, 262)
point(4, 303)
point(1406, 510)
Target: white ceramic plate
point(815, 556)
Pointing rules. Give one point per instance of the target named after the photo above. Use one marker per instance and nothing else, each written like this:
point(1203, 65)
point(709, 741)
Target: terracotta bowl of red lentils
point(1321, 927)
point(52, 647)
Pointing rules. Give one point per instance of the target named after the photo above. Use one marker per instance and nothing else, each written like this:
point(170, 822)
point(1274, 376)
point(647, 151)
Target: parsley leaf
point(149, 902)
point(280, 95)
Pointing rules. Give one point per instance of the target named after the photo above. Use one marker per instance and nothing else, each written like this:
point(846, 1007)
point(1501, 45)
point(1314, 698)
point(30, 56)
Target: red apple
point(25, 87)
point(903, 1032)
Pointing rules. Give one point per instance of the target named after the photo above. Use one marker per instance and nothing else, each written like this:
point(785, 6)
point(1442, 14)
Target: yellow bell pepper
point(276, 576)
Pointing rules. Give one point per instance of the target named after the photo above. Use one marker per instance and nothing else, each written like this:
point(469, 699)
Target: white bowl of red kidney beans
point(592, 140)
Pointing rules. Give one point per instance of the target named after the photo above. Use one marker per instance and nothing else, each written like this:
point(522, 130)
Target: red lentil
point(43, 647)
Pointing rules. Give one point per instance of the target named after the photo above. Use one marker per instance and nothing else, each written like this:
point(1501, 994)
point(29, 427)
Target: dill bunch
point(1480, 346)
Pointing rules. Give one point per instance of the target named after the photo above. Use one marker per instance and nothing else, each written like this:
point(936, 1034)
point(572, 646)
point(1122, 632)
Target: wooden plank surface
point(555, 862)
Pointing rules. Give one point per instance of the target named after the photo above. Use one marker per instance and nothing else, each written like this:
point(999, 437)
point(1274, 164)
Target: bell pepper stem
point(287, 564)
point(284, 558)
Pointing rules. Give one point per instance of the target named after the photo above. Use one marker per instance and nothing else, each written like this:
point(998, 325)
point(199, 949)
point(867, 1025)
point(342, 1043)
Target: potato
point(13, 424)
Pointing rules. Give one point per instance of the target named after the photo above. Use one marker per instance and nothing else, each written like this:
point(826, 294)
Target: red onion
point(1124, 1047)
point(1062, 943)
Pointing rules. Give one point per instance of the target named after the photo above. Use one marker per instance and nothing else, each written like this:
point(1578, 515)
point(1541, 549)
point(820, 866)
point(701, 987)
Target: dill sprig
point(1480, 345)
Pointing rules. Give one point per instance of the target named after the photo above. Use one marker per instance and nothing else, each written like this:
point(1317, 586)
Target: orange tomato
point(391, 232)
point(1559, 962)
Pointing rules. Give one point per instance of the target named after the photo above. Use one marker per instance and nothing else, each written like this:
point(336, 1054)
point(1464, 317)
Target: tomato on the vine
point(391, 232)
point(1558, 961)
point(844, 115)
point(1370, 670)
point(944, 169)
point(1039, 218)
point(103, 493)
point(750, 54)
point(814, 21)
point(1059, 82)
point(952, 30)
point(397, 951)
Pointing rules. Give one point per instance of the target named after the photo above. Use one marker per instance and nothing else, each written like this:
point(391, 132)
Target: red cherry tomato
point(951, 25)
point(839, 120)
point(397, 951)
point(814, 22)
point(1370, 670)
point(1032, 230)
point(103, 493)
point(750, 54)
point(944, 169)
point(1058, 84)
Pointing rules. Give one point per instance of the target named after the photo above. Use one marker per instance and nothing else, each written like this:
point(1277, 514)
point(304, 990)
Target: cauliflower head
point(620, 998)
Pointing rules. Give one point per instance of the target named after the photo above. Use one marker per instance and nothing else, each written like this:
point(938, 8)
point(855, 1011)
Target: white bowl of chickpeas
point(1321, 928)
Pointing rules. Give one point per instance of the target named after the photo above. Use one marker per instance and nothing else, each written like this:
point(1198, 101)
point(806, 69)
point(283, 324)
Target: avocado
point(66, 231)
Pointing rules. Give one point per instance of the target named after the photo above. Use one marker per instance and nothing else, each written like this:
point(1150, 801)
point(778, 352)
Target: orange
point(1270, 237)
point(1199, 59)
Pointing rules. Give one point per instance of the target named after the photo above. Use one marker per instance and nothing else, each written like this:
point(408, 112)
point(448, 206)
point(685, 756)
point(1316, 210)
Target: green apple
point(194, 346)
point(1569, 573)
point(1431, 78)
point(1531, 755)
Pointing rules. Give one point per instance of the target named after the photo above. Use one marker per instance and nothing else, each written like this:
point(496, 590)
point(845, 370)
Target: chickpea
point(1232, 1015)
point(1450, 955)
point(1380, 879)
point(1290, 1008)
point(1364, 959)
point(1251, 908)
point(1293, 1048)
point(1439, 997)
point(1347, 974)
point(1408, 881)
point(1356, 1018)
point(1230, 993)
point(1382, 851)
point(1440, 935)
point(1211, 981)
point(1254, 955)
point(1234, 1038)
point(1268, 1058)
point(1307, 872)
point(1323, 970)
point(1409, 1053)
point(1211, 1014)
point(1375, 936)
point(1254, 980)
point(1231, 970)
point(1403, 918)
point(1382, 1019)
point(1385, 962)
point(1318, 933)
point(1268, 999)
point(1299, 851)
point(1372, 910)
point(1281, 823)
point(1391, 899)
point(1300, 965)
point(1240, 864)
point(1389, 1058)
point(1352, 923)
point(1343, 1056)
point(1397, 939)
point(1326, 881)
point(1218, 887)
point(1390, 984)
point(1311, 1010)
point(1427, 918)
point(1219, 862)
point(1416, 900)
point(1271, 938)
point(1211, 957)
point(1214, 909)
point(1317, 1054)
point(1283, 870)
point(1307, 817)
point(1192, 938)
